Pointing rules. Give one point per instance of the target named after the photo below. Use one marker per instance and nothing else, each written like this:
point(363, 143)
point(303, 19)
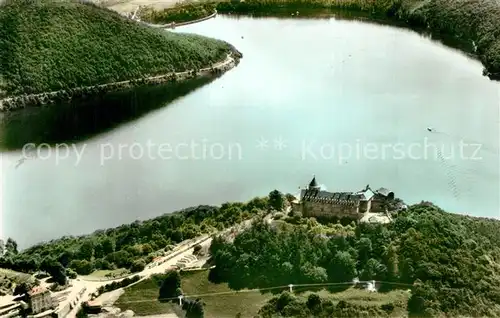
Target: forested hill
point(451, 262)
point(130, 246)
point(53, 45)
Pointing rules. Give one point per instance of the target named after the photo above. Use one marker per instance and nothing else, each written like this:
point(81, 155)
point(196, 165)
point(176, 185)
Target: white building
point(40, 299)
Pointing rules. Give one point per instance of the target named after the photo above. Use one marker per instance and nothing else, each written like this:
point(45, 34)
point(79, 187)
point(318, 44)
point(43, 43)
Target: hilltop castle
point(354, 205)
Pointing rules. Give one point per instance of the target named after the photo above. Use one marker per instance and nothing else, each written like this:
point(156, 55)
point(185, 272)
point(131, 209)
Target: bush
point(82, 267)
point(313, 301)
point(137, 266)
point(115, 285)
point(170, 285)
point(388, 307)
point(71, 273)
point(197, 249)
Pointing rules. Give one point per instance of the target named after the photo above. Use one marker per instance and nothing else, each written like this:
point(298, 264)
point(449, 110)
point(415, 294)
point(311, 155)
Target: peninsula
point(53, 49)
point(425, 262)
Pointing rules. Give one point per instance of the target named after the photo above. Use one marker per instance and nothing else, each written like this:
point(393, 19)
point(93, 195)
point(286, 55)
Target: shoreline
point(41, 99)
point(400, 17)
point(398, 14)
point(173, 25)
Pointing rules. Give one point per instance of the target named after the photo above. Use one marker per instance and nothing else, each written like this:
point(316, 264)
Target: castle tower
point(313, 185)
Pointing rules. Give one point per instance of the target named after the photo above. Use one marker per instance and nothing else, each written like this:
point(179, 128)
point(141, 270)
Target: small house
point(40, 299)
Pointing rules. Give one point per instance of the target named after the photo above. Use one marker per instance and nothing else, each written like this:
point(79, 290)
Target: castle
point(314, 202)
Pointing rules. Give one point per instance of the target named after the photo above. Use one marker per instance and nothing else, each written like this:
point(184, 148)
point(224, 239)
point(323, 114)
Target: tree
point(343, 268)
point(193, 308)
point(196, 249)
point(86, 250)
point(257, 203)
point(290, 197)
point(120, 258)
point(2, 247)
point(391, 262)
point(54, 269)
point(283, 300)
point(82, 267)
point(65, 258)
point(424, 299)
point(276, 200)
point(11, 246)
point(108, 245)
point(364, 250)
point(314, 274)
point(146, 249)
point(82, 313)
point(21, 289)
point(169, 285)
point(313, 302)
point(71, 273)
point(373, 269)
point(137, 266)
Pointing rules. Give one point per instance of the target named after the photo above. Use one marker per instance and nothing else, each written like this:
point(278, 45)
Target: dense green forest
point(289, 305)
point(129, 246)
point(53, 45)
point(464, 20)
point(451, 262)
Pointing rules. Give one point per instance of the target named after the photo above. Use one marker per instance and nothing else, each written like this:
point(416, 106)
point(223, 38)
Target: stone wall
point(64, 311)
point(377, 206)
point(329, 210)
point(365, 206)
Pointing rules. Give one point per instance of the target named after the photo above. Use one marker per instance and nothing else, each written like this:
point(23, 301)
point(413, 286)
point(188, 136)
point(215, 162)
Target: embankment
point(172, 25)
point(27, 100)
point(474, 22)
point(180, 14)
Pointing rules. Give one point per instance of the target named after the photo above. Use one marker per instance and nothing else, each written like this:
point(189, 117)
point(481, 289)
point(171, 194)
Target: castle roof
point(314, 193)
point(383, 191)
point(366, 194)
point(37, 290)
point(347, 197)
point(313, 183)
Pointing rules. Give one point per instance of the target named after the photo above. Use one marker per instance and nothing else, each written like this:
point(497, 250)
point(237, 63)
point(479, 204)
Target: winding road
point(183, 249)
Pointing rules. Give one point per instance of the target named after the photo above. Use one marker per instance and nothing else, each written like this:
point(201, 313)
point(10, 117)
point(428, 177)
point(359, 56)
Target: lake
point(348, 101)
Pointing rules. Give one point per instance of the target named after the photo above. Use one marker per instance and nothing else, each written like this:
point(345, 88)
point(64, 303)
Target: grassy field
point(58, 45)
point(110, 273)
point(8, 279)
point(225, 302)
point(222, 305)
point(142, 299)
point(193, 283)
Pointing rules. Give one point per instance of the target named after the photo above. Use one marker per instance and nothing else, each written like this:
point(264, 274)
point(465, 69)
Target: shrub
point(137, 266)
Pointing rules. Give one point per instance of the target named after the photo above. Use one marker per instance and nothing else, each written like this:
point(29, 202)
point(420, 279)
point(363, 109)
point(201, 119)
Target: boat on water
point(430, 129)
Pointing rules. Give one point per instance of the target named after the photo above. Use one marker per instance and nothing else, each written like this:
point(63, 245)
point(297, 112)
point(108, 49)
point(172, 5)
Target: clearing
point(142, 298)
point(222, 301)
